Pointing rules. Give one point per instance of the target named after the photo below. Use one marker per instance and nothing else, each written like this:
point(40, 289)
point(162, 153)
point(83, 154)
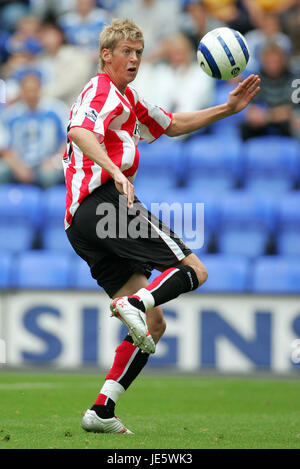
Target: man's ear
point(106, 55)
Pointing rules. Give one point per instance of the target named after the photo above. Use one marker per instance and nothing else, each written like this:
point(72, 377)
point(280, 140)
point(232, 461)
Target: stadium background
point(246, 317)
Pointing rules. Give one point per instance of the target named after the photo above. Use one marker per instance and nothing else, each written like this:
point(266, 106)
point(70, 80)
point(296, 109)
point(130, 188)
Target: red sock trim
point(158, 280)
point(122, 357)
point(101, 400)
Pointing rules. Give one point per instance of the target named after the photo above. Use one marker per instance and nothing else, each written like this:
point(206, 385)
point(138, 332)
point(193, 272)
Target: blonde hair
point(118, 30)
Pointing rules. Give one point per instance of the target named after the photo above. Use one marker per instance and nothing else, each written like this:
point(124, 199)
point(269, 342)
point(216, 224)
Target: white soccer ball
point(223, 53)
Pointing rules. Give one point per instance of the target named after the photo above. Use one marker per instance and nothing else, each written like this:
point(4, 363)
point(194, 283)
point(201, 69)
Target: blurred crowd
point(49, 50)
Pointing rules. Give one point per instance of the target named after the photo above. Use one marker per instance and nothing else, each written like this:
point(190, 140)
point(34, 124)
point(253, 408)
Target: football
point(223, 53)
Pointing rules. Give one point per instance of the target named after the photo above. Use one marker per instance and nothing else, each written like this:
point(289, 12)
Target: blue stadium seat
point(159, 164)
point(289, 210)
point(288, 233)
point(16, 236)
point(271, 163)
point(288, 242)
point(248, 242)
point(54, 203)
point(6, 261)
point(158, 182)
point(81, 276)
point(277, 275)
point(22, 203)
point(226, 274)
point(212, 162)
point(42, 269)
point(54, 238)
point(246, 222)
point(246, 209)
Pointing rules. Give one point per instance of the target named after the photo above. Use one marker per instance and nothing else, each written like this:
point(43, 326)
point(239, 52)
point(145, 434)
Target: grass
point(44, 410)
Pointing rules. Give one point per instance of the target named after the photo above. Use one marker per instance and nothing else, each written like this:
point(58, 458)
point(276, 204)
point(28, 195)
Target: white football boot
point(133, 318)
point(91, 422)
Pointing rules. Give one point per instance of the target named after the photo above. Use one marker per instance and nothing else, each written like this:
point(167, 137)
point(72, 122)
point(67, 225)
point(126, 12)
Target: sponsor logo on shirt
point(92, 115)
point(136, 130)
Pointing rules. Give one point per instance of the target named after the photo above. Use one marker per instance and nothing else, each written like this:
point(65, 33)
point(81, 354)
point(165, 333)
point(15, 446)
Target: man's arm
point(21, 171)
point(239, 98)
point(88, 142)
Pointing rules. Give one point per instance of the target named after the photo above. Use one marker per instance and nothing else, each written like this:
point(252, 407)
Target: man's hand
point(243, 94)
point(124, 186)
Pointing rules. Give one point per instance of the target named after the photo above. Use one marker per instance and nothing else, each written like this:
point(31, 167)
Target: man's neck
point(121, 86)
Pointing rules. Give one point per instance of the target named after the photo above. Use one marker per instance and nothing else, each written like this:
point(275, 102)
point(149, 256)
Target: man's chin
point(131, 75)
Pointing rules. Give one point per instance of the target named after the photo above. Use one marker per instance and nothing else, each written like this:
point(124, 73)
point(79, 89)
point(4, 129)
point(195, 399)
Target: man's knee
point(201, 273)
point(194, 262)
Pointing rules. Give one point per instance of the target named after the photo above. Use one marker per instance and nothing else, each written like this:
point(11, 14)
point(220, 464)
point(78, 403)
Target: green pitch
point(42, 410)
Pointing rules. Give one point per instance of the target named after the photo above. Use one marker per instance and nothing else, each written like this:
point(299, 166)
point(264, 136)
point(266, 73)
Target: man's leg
point(129, 359)
point(186, 276)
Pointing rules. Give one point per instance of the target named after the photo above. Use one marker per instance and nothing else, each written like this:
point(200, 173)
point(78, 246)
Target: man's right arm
point(88, 142)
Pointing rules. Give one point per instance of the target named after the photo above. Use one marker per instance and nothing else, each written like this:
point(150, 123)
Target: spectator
point(269, 6)
point(158, 19)
point(12, 12)
point(195, 21)
point(15, 67)
point(178, 84)
point(291, 26)
point(83, 25)
point(26, 35)
point(269, 30)
point(271, 111)
point(20, 48)
point(4, 37)
point(65, 68)
point(230, 12)
point(51, 8)
point(108, 4)
point(36, 137)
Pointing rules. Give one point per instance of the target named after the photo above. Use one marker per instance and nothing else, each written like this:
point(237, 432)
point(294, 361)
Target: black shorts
point(116, 241)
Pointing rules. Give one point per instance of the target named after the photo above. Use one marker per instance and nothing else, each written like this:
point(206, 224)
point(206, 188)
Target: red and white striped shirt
point(120, 121)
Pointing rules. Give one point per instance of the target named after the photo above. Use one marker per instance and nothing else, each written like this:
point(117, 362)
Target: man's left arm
point(239, 98)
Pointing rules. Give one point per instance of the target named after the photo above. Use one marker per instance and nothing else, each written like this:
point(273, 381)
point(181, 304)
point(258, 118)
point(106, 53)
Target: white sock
point(112, 389)
point(146, 297)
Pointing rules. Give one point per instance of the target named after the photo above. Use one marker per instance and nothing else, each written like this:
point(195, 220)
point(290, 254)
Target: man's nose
point(134, 56)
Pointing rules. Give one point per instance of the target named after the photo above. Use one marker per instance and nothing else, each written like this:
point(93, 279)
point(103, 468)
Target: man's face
point(31, 90)
point(124, 61)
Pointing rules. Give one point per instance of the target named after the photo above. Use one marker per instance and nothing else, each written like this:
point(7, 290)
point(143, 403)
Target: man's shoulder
point(99, 85)
point(102, 82)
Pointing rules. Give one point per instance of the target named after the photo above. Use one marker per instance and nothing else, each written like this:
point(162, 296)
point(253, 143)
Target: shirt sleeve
point(153, 120)
point(96, 110)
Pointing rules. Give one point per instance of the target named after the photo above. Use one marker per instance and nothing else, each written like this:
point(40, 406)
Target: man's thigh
point(135, 282)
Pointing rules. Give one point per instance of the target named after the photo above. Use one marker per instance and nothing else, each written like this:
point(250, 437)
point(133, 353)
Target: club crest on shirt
point(92, 115)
